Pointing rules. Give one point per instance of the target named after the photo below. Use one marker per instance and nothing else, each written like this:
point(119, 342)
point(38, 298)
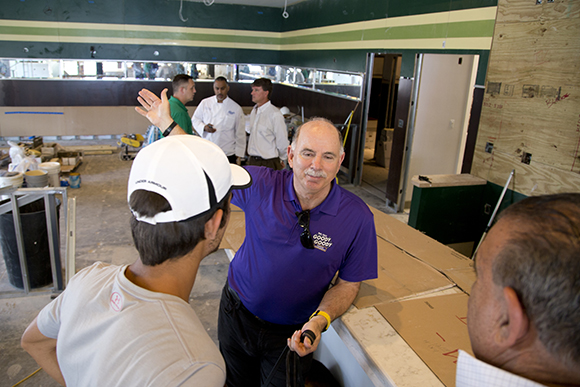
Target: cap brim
point(240, 177)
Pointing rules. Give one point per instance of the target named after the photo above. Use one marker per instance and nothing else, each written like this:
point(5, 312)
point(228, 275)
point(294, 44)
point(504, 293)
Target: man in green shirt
point(183, 92)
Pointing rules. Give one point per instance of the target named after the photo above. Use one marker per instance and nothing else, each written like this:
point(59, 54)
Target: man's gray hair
point(541, 262)
point(314, 119)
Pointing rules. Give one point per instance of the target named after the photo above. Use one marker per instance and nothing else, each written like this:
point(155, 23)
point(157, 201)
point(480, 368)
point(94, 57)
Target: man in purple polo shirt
point(301, 229)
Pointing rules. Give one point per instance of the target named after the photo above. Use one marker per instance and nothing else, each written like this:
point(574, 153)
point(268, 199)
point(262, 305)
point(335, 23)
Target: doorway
point(380, 122)
point(438, 131)
point(415, 125)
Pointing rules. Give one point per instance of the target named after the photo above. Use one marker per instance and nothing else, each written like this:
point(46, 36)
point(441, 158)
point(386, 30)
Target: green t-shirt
point(180, 115)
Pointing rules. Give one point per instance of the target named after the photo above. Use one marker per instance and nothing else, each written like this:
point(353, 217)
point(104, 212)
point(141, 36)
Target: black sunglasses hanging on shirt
point(304, 222)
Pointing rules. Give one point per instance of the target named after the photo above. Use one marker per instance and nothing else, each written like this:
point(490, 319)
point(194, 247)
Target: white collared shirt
point(268, 133)
point(227, 119)
point(472, 372)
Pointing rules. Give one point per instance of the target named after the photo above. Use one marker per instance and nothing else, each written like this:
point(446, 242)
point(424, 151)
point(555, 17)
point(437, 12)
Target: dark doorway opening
point(381, 122)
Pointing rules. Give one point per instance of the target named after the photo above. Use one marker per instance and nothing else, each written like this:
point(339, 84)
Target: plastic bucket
point(36, 178)
point(53, 170)
point(14, 179)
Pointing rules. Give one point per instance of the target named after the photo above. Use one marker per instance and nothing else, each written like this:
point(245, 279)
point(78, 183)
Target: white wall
point(443, 105)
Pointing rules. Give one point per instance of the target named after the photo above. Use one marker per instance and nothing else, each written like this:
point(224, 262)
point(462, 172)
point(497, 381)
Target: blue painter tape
point(33, 112)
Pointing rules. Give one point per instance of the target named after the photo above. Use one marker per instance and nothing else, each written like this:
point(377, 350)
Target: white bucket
point(53, 170)
point(14, 179)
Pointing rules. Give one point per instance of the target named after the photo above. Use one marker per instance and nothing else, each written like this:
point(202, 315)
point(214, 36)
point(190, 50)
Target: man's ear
point(213, 224)
point(518, 324)
point(341, 160)
point(290, 156)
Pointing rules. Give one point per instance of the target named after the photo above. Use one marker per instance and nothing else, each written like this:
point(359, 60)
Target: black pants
point(251, 346)
point(270, 163)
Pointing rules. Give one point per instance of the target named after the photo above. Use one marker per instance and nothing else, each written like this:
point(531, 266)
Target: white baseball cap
point(191, 173)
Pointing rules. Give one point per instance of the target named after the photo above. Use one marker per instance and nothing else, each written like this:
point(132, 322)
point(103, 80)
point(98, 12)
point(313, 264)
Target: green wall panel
point(146, 12)
point(457, 214)
point(350, 60)
point(140, 53)
point(199, 15)
point(447, 214)
point(424, 31)
point(317, 13)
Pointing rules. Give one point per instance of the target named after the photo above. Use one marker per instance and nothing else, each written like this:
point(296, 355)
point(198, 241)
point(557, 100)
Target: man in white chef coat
point(221, 120)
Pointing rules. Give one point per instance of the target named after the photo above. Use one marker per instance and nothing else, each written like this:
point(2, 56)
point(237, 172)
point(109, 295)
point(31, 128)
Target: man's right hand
point(209, 128)
point(156, 110)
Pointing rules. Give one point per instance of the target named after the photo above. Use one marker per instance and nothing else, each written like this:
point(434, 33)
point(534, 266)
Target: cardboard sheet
point(439, 256)
point(236, 231)
point(435, 327)
point(464, 278)
point(399, 275)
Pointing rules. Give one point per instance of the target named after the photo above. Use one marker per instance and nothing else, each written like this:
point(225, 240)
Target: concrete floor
point(102, 226)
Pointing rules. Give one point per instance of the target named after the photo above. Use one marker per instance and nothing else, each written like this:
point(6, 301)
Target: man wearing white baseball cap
point(132, 325)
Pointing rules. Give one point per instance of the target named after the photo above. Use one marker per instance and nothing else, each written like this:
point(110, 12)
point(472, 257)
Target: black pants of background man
point(270, 163)
point(250, 347)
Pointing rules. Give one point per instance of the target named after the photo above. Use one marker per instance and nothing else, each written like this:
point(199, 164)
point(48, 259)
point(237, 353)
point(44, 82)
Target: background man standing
point(524, 309)
point(183, 92)
point(268, 134)
point(221, 120)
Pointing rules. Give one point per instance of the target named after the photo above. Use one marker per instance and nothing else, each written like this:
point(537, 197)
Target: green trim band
point(465, 29)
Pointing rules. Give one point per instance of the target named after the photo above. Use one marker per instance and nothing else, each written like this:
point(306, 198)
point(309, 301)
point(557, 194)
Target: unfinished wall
point(531, 108)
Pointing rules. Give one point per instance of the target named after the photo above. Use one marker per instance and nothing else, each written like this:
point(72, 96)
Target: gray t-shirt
point(111, 332)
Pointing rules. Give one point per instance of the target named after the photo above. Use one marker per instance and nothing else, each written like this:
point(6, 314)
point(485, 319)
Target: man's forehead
point(321, 128)
point(316, 130)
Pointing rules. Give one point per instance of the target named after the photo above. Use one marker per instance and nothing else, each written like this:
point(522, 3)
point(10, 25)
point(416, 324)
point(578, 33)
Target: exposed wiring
point(285, 14)
point(26, 378)
point(180, 9)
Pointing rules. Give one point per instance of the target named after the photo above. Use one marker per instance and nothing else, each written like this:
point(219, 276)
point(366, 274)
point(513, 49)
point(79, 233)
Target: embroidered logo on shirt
point(230, 112)
point(322, 241)
point(116, 302)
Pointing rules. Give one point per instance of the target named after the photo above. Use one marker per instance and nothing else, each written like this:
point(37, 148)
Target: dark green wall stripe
point(146, 12)
point(318, 13)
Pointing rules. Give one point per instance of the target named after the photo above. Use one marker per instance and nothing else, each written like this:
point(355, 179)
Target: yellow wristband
point(323, 314)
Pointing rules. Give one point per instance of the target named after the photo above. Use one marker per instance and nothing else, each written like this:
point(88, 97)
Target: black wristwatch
point(169, 129)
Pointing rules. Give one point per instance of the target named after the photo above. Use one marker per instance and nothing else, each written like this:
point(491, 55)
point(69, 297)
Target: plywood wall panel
point(533, 127)
point(542, 51)
point(529, 180)
point(525, 11)
point(532, 98)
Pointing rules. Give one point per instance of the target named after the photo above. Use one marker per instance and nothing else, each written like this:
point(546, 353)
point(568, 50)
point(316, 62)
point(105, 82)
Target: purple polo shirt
point(278, 279)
